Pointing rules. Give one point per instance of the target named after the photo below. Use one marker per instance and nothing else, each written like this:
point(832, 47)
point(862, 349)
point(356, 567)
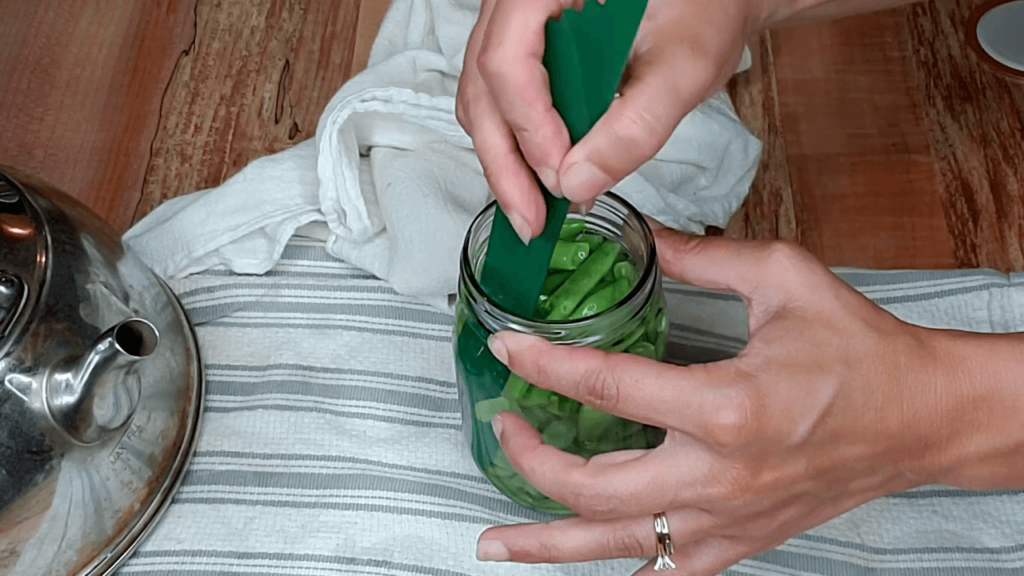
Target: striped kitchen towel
point(331, 442)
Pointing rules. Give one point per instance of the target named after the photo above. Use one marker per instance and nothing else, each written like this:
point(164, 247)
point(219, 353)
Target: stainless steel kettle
point(100, 387)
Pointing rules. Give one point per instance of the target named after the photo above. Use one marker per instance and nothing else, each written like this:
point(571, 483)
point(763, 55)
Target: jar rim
point(650, 269)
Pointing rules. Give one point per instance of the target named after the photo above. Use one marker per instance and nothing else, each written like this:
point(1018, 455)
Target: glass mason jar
point(635, 324)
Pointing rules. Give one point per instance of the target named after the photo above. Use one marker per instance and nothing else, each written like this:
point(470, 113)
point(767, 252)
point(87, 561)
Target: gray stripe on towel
point(341, 274)
point(802, 563)
point(927, 493)
point(281, 287)
point(335, 480)
point(925, 278)
point(289, 558)
point(348, 507)
point(343, 413)
point(234, 323)
point(290, 457)
point(265, 368)
point(935, 295)
point(1011, 549)
point(347, 392)
point(301, 252)
point(386, 311)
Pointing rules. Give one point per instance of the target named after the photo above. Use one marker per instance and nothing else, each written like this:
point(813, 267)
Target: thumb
point(744, 267)
point(652, 102)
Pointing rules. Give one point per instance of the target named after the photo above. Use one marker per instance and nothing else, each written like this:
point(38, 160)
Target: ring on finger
point(664, 542)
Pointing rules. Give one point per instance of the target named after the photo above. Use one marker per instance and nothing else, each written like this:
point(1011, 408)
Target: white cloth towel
point(391, 183)
point(332, 439)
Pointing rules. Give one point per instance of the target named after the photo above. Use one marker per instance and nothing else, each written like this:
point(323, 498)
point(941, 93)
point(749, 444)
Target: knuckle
point(599, 388)
point(640, 130)
point(735, 420)
point(491, 62)
point(784, 255)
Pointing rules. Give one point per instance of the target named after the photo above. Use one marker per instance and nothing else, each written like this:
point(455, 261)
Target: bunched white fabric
point(391, 182)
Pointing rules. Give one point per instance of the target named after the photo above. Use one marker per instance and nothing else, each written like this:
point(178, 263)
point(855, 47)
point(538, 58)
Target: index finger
point(696, 399)
point(511, 64)
point(609, 485)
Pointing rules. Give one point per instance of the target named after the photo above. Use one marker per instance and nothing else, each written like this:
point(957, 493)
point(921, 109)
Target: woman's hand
point(832, 403)
point(684, 51)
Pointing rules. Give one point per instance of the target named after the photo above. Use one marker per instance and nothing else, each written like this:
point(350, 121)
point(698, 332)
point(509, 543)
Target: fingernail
point(496, 425)
point(583, 179)
point(586, 207)
point(550, 179)
point(491, 551)
point(498, 348)
point(520, 226)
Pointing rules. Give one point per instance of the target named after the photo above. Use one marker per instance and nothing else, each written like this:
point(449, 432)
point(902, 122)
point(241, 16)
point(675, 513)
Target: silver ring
point(665, 548)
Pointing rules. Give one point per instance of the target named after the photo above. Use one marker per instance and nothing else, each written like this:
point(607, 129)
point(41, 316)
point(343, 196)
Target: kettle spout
point(99, 392)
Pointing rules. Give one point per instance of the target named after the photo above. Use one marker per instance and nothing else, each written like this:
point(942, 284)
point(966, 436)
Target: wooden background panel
point(255, 82)
point(80, 90)
point(975, 120)
point(770, 210)
point(125, 103)
point(887, 143)
point(857, 144)
point(899, 149)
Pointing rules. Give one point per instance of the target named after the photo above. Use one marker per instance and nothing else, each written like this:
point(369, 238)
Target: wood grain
point(770, 210)
point(887, 144)
point(80, 90)
point(856, 145)
point(253, 83)
point(975, 121)
point(899, 149)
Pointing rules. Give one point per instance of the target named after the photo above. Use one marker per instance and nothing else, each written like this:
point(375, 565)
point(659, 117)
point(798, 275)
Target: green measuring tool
point(585, 54)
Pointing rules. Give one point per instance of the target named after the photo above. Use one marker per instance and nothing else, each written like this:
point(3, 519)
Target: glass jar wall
point(634, 322)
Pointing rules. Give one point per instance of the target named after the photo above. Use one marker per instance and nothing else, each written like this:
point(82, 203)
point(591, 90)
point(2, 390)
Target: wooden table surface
point(888, 144)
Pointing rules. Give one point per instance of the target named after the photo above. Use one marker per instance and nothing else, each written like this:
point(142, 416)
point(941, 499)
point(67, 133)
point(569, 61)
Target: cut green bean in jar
point(591, 274)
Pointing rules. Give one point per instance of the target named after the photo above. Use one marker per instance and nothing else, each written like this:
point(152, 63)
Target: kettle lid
point(101, 387)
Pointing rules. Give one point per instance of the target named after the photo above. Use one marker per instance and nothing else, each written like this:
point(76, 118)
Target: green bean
point(643, 349)
point(486, 409)
point(538, 416)
point(554, 280)
point(515, 387)
point(560, 434)
point(589, 273)
point(593, 240)
point(625, 269)
point(638, 442)
point(568, 255)
point(604, 283)
point(601, 300)
point(568, 296)
point(593, 423)
point(534, 397)
point(629, 340)
point(657, 326)
point(661, 344)
point(542, 302)
point(572, 228)
point(655, 436)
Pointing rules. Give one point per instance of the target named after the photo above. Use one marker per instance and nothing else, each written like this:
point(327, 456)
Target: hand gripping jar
point(634, 324)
